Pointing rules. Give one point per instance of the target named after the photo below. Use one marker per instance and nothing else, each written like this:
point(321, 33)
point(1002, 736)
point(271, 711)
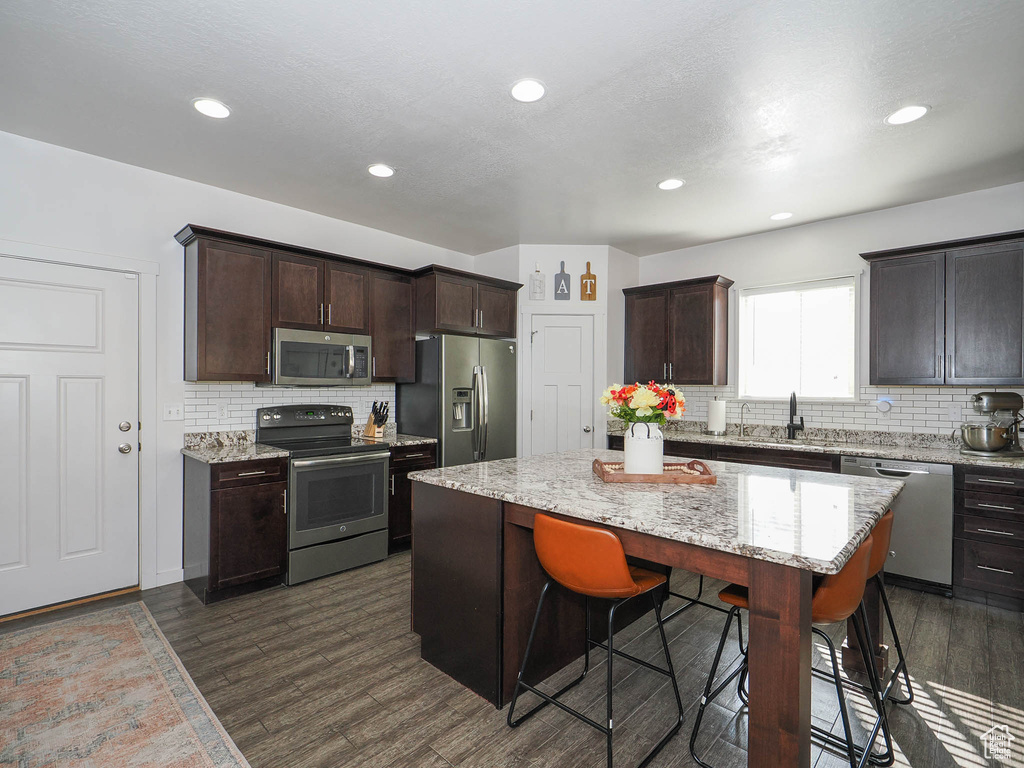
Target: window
point(798, 338)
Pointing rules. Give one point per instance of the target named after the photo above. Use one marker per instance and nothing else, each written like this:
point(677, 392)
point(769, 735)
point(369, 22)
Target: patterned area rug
point(104, 690)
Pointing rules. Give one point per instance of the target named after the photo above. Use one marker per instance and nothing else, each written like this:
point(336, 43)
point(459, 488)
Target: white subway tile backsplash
point(203, 402)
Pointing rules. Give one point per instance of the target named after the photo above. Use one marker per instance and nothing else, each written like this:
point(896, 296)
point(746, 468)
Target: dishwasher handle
point(898, 473)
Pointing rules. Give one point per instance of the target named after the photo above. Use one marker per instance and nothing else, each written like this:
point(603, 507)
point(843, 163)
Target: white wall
point(51, 196)
point(830, 249)
point(623, 272)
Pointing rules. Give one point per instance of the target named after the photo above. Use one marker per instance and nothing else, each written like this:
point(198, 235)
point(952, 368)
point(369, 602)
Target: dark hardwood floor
point(328, 674)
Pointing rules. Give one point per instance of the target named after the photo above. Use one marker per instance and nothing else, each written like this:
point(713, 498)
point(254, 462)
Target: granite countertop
point(224, 447)
point(809, 520)
point(900, 446)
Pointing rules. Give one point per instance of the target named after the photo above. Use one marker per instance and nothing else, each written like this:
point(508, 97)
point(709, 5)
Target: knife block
point(372, 431)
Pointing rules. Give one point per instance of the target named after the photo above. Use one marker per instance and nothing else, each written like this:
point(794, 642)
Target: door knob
point(586, 429)
point(124, 426)
point(124, 448)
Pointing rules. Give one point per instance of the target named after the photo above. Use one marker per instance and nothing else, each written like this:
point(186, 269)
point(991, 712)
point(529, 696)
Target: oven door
point(335, 497)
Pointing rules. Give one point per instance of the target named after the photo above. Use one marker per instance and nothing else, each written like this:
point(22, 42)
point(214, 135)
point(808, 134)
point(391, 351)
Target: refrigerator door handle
point(487, 410)
point(477, 420)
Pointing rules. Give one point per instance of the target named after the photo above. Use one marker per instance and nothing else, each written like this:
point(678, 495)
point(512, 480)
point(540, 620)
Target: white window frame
point(741, 367)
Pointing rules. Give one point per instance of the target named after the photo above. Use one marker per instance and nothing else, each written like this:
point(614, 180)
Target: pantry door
point(69, 418)
point(562, 383)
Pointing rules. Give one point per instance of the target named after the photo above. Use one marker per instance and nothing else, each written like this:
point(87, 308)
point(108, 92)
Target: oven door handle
point(309, 463)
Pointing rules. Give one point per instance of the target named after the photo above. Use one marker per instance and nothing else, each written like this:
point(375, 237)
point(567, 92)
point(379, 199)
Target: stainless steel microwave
point(320, 359)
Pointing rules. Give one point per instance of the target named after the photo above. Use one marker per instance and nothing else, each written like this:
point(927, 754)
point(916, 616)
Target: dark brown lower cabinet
point(236, 527)
point(404, 459)
point(988, 535)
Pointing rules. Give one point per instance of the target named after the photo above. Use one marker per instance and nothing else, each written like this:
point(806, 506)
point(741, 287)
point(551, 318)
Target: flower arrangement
point(645, 403)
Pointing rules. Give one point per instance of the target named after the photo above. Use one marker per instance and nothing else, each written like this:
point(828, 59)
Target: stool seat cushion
point(736, 595)
point(646, 580)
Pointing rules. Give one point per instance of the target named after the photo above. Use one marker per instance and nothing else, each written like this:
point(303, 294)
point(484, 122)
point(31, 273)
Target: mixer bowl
point(985, 437)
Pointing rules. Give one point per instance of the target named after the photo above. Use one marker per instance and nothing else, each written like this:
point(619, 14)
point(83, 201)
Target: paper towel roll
point(716, 416)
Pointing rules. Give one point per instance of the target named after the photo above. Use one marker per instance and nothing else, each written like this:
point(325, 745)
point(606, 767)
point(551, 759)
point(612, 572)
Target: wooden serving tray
point(692, 472)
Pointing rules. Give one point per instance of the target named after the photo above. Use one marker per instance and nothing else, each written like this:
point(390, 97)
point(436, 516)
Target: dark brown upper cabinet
point(450, 301)
point(949, 313)
point(678, 332)
point(391, 326)
point(227, 311)
point(319, 294)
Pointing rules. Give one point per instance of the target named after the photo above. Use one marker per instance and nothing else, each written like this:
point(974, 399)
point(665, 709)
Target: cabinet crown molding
point(945, 245)
point(725, 282)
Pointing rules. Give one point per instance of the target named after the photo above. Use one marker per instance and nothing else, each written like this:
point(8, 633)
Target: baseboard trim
point(170, 576)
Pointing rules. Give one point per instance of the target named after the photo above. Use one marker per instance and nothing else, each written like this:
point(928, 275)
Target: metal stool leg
point(692, 601)
point(709, 694)
point(901, 660)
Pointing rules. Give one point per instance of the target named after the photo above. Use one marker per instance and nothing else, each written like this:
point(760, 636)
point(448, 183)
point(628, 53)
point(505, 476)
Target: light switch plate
point(174, 412)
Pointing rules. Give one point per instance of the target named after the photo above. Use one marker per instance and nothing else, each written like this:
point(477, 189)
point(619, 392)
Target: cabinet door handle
point(949, 366)
point(321, 314)
point(328, 314)
point(392, 485)
point(374, 365)
point(939, 372)
point(997, 570)
point(268, 362)
point(994, 481)
point(284, 497)
point(996, 506)
point(251, 474)
point(664, 371)
point(671, 371)
point(998, 533)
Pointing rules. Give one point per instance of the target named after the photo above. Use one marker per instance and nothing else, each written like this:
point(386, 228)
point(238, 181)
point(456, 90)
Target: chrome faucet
point(743, 429)
point(793, 427)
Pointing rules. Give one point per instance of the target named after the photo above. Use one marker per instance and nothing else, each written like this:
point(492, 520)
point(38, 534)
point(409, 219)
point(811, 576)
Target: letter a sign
point(562, 285)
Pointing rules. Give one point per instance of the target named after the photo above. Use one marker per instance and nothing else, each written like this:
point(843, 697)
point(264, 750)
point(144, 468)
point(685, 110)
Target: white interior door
point(562, 383)
point(69, 405)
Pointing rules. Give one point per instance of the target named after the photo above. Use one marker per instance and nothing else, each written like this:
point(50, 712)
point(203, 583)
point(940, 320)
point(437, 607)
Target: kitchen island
point(476, 579)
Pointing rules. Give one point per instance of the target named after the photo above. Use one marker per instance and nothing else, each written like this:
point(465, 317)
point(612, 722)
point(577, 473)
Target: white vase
point(644, 447)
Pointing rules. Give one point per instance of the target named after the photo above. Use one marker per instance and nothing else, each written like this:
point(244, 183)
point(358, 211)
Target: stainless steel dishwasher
point(922, 531)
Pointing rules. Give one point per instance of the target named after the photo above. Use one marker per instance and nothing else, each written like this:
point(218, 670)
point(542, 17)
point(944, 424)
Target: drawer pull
point(412, 456)
point(996, 506)
point(993, 481)
point(251, 474)
point(998, 533)
point(997, 570)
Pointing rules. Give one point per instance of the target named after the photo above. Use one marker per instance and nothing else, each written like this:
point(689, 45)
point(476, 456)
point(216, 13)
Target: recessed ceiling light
point(211, 108)
point(381, 170)
point(781, 216)
point(906, 115)
point(671, 184)
point(527, 90)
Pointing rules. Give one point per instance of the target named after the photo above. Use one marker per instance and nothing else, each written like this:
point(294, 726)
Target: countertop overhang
point(808, 520)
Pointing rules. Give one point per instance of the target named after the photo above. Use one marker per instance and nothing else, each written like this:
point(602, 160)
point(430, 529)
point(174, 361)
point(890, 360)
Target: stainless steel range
point(337, 491)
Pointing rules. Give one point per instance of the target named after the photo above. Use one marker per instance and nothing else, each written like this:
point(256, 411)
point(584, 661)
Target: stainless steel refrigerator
point(465, 396)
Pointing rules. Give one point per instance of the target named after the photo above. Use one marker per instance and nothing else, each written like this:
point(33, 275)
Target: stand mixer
point(998, 437)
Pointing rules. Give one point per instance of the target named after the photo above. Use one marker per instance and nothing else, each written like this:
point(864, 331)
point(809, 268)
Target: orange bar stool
point(837, 598)
point(590, 561)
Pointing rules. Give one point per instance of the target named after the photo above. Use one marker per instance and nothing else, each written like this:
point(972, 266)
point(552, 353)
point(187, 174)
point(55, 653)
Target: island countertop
point(808, 520)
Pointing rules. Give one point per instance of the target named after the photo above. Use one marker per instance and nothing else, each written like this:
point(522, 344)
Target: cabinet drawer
point(239, 473)
point(687, 450)
point(993, 481)
point(989, 567)
point(404, 457)
point(990, 505)
point(820, 462)
point(1006, 532)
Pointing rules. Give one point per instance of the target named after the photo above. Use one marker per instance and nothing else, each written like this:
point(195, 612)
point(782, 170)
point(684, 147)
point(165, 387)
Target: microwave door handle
point(487, 413)
point(351, 361)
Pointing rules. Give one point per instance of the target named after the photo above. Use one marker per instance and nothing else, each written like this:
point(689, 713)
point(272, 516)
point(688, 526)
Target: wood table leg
point(852, 660)
point(780, 666)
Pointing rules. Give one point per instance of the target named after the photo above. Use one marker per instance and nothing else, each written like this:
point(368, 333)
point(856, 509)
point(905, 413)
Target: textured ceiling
point(761, 107)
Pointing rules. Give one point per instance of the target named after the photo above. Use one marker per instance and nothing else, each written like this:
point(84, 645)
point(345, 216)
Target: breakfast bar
point(476, 578)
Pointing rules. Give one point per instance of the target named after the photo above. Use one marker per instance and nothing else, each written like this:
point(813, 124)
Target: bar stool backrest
point(880, 534)
point(583, 558)
point(839, 595)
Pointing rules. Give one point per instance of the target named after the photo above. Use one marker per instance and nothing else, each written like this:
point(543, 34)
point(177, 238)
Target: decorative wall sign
point(588, 285)
point(537, 284)
point(562, 285)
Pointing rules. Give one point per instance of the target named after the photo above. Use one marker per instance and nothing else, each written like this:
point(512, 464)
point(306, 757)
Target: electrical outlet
point(222, 412)
point(956, 413)
point(174, 412)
